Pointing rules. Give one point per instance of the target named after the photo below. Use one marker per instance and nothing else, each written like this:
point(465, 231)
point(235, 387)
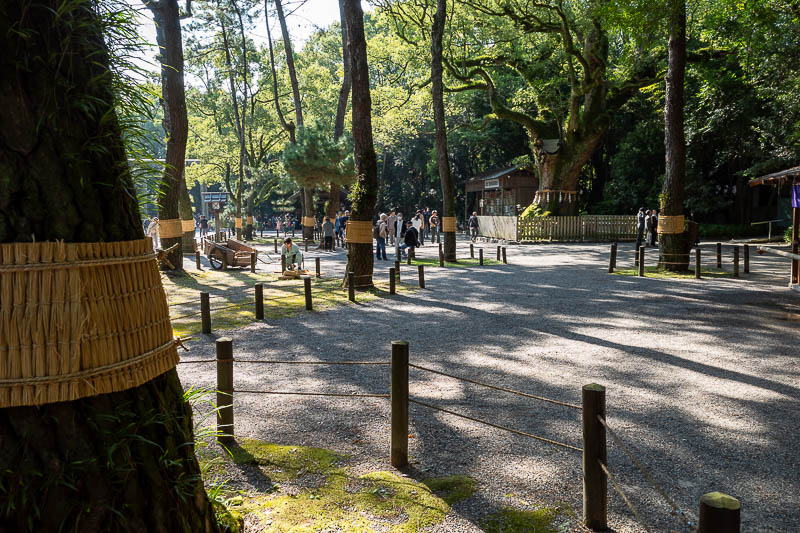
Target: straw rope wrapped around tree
point(95, 432)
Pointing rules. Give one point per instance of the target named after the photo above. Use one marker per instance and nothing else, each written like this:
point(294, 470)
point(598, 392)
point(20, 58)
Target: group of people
point(394, 230)
point(646, 227)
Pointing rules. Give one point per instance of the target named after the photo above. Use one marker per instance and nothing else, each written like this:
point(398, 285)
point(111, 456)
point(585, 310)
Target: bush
point(534, 210)
point(787, 235)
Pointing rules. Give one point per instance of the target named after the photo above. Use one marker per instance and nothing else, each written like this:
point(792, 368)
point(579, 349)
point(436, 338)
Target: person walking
point(152, 232)
point(391, 225)
point(418, 224)
point(473, 226)
point(648, 227)
point(640, 223)
point(380, 232)
point(654, 228)
point(343, 226)
point(434, 225)
point(327, 234)
point(203, 226)
point(399, 231)
point(426, 227)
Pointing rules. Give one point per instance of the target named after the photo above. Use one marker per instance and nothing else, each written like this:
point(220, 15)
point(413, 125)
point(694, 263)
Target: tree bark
point(166, 16)
point(308, 192)
point(112, 462)
point(359, 255)
point(341, 110)
point(188, 245)
point(437, 88)
point(674, 247)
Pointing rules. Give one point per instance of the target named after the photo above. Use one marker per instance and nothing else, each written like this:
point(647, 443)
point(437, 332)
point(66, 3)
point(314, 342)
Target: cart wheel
point(215, 258)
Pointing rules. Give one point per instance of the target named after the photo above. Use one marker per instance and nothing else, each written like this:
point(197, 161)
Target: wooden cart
point(235, 253)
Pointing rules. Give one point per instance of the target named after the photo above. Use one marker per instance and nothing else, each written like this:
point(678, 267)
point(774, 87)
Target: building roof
point(777, 178)
point(496, 173)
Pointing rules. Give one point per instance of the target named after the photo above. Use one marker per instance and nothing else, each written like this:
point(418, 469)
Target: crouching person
point(294, 258)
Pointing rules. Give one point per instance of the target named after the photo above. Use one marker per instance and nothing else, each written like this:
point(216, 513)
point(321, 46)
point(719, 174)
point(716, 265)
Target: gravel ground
point(701, 377)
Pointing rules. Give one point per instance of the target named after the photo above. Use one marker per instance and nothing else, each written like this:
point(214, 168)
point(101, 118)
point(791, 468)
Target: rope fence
point(640, 256)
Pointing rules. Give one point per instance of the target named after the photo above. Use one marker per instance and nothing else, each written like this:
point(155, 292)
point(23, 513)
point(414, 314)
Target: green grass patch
point(462, 263)
point(311, 491)
point(232, 297)
point(510, 520)
point(452, 489)
point(657, 272)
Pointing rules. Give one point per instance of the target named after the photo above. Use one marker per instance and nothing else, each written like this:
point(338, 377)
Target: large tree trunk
point(448, 189)
point(359, 255)
point(308, 192)
point(111, 462)
point(673, 241)
point(341, 110)
point(166, 17)
point(185, 209)
point(559, 174)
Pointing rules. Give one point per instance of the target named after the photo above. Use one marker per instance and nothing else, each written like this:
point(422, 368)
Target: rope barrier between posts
point(333, 394)
point(503, 389)
point(618, 488)
point(536, 437)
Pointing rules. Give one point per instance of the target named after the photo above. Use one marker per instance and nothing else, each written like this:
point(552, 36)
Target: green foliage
point(534, 210)
point(452, 489)
point(510, 520)
point(315, 159)
point(787, 235)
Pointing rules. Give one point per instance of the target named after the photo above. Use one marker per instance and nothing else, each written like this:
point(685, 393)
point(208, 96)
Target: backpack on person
point(376, 230)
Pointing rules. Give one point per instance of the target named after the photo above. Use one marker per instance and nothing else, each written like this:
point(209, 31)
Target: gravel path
point(701, 377)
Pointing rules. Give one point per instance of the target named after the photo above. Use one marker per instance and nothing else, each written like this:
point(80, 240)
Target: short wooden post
point(498, 254)
point(317, 266)
point(421, 270)
point(698, 267)
point(746, 258)
point(275, 241)
point(197, 259)
point(205, 312)
point(306, 244)
point(283, 264)
point(307, 290)
point(392, 281)
point(252, 261)
point(595, 484)
point(259, 301)
point(641, 261)
point(719, 255)
point(735, 261)
point(441, 258)
point(398, 455)
point(351, 287)
point(612, 261)
point(719, 513)
point(505, 258)
point(480, 256)
point(225, 431)
point(397, 269)
point(224, 261)
point(471, 251)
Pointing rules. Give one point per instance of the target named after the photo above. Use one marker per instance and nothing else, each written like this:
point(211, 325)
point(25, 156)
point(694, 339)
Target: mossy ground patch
point(657, 272)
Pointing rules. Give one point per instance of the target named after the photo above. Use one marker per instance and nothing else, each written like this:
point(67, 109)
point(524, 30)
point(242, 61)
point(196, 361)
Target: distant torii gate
point(792, 177)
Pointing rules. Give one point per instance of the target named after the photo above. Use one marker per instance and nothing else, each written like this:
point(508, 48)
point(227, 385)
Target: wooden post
point(283, 264)
point(275, 241)
point(225, 431)
point(641, 261)
point(317, 266)
point(795, 273)
point(505, 259)
point(719, 513)
point(397, 269)
point(392, 280)
point(306, 244)
point(224, 261)
point(719, 255)
point(197, 259)
point(746, 258)
point(259, 301)
point(351, 287)
point(498, 254)
point(612, 261)
point(480, 255)
point(441, 257)
point(252, 261)
point(398, 455)
point(205, 312)
point(307, 289)
point(410, 255)
point(421, 271)
point(735, 261)
point(698, 267)
point(471, 251)
point(595, 484)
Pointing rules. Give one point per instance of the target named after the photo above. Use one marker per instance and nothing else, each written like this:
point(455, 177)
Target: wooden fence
point(574, 228)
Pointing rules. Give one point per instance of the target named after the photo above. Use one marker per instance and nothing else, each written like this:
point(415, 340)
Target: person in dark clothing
point(410, 238)
point(473, 226)
point(640, 220)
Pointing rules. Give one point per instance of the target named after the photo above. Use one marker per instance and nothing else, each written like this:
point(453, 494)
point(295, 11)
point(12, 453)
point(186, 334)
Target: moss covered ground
point(462, 262)
point(656, 272)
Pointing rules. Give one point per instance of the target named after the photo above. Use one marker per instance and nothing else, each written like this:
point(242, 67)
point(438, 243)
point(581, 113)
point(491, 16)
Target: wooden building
point(501, 192)
point(790, 177)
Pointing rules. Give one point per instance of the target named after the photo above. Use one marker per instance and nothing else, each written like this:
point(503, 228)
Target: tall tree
point(341, 110)
point(121, 461)
point(442, 158)
point(365, 189)
point(673, 240)
point(173, 194)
